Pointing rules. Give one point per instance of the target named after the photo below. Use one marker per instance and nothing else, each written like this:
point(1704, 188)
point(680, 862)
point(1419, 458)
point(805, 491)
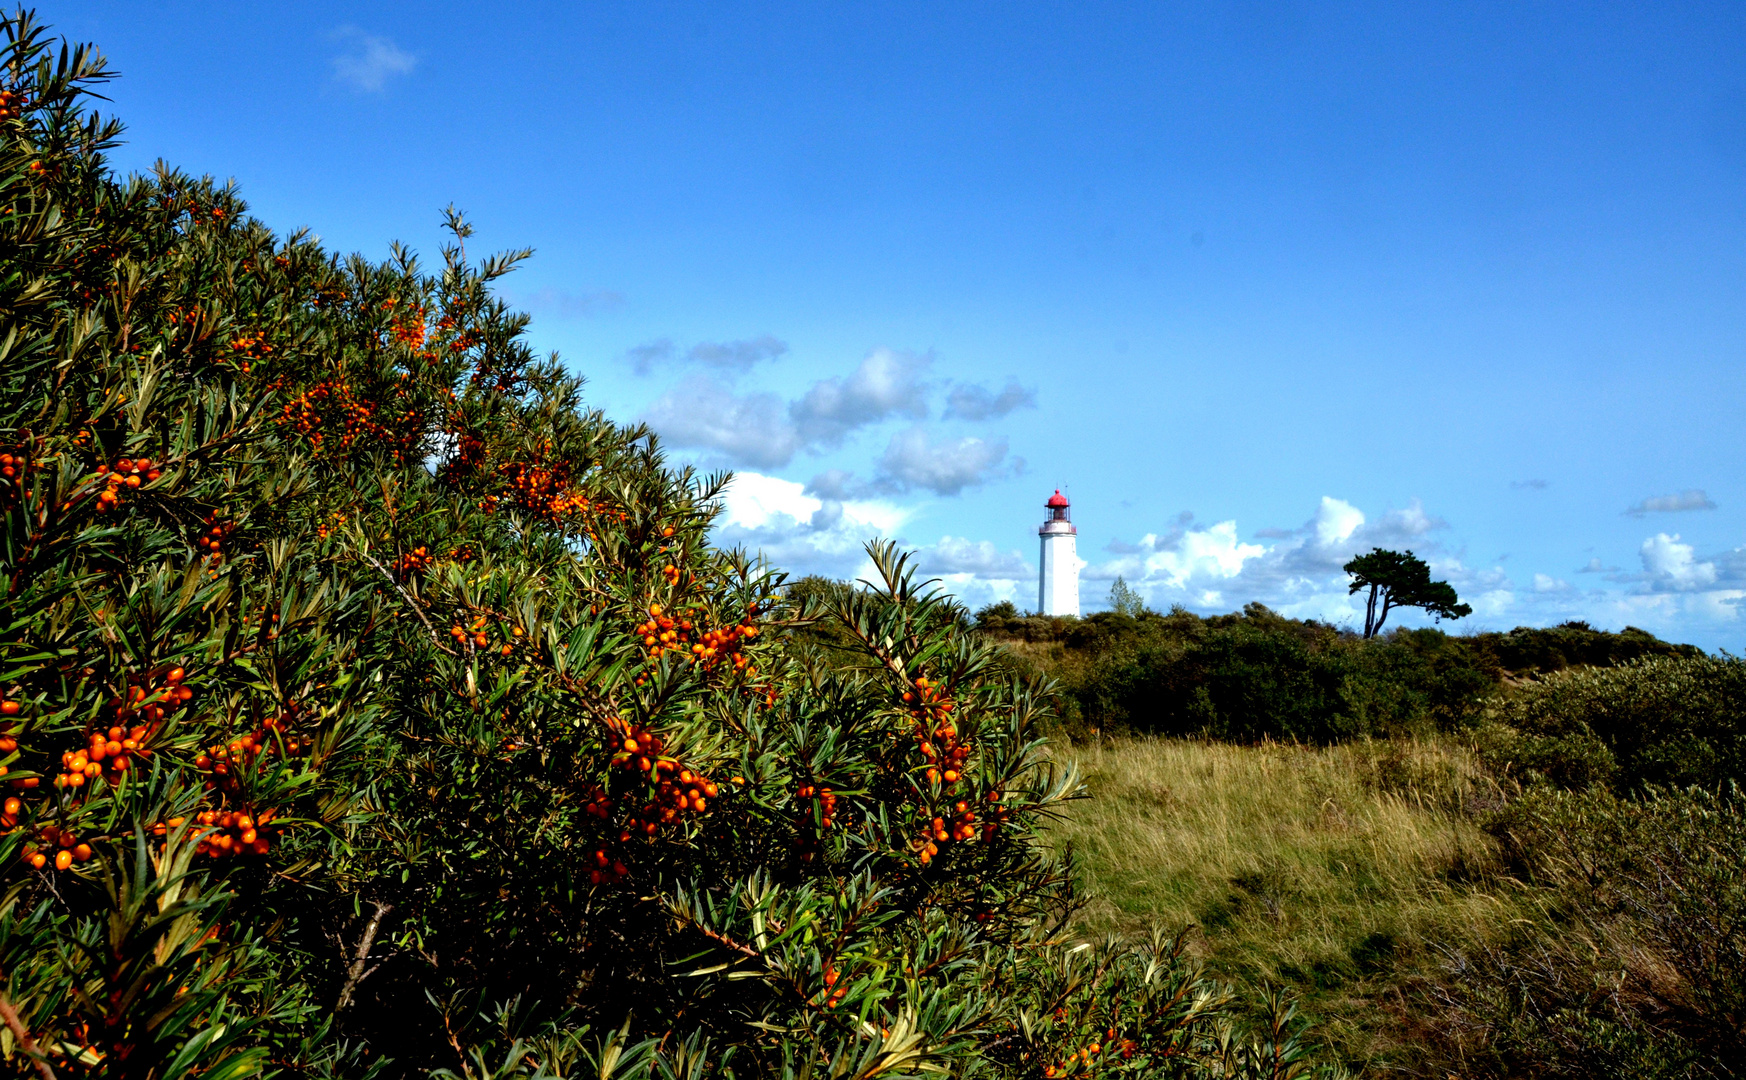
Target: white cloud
point(735, 357)
point(1670, 566)
point(701, 412)
point(913, 460)
point(1679, 502)
point(888, 383)
point(1545, 584)
point(1335, 520)
point(369, 61)
point(973, 558)
point(1298, 574)
point(1201, 554)
point(971, 401)
point(761, 431)
point(799, 533)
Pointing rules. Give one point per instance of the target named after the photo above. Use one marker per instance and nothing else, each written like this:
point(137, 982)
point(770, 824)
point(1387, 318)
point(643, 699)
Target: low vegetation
point(1537, 876)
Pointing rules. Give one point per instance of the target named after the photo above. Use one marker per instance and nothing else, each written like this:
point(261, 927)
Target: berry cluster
point(827, 802)
point(51, 837)
point(836, 993)
point(213, 534)
point(233, 832)
point(994, 816)
point(662, 634)
point(958, 828)
point(12, 470)
point(542, 491)
point(1083, 1056)
point(9, 743)
point(127, 473)
point(936, 735)
point(806, 842)
point(246, 349)
point(226, 763)
point(107, 753)
point(336, 403)
point(469, 455)
point(11, 103)
point(413, 562)
point(138, 714)
point(676, 791)
point(410, 330)
point(475, 636)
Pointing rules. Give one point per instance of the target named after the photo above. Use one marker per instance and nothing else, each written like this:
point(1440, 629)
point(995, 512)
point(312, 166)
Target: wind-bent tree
point(1398, 579)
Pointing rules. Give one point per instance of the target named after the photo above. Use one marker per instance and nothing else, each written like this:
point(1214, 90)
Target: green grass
point(1333, 871)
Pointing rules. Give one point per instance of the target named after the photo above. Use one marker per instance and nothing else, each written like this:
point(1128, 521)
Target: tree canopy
point(1400, 579)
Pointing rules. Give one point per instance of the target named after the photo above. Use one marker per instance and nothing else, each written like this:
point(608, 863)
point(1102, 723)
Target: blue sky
point(1260, 285)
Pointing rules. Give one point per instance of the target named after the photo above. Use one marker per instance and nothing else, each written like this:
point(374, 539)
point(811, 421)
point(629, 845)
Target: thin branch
point(723, 939)
point(417, 608)
point(25, 1042)
point(356, 973)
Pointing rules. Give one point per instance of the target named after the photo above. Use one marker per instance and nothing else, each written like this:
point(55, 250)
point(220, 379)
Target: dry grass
point(1330, 870)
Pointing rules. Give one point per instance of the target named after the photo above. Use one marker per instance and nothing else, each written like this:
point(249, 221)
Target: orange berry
point(63, 859)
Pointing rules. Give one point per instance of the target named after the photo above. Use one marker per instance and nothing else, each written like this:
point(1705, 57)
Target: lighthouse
point(1058, 568)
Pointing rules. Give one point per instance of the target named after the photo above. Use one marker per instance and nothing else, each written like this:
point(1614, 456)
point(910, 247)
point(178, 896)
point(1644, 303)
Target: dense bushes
point(1667, 721)
point(1257, 674)
point(373, 708)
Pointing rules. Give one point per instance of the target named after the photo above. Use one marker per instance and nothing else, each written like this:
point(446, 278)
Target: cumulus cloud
point(1670, 566)
point(972, 401)
point(975, 558)
point(1545, 584)
point(752, 429)
point(888, 383)
point(1691, 499)
point(1210, 567)
point(368, 61)
point(913, 460)
point(798, 532)
point(735, 357)
point(762, 431)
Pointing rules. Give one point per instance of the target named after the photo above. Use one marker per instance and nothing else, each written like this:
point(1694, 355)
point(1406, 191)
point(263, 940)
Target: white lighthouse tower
point(1058, 569)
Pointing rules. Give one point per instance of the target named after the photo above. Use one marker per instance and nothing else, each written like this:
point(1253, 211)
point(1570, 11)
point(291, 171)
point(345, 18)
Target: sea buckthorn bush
point(371, 707)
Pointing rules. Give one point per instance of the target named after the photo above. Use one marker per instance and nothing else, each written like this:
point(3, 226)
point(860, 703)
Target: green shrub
point(1660, 720)
point(1257, 675)
point(1636, 963)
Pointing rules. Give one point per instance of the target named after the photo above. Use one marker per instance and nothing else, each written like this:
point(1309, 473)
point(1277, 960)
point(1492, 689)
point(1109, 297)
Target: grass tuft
point(1332, 871)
